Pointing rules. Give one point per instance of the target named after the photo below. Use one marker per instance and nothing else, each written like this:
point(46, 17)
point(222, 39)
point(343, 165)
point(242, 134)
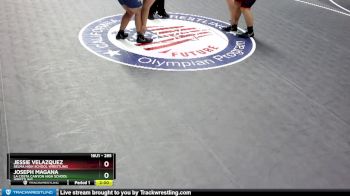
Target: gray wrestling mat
point(279, 119)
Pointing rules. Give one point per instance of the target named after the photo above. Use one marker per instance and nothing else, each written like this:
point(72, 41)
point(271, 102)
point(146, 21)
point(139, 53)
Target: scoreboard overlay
point(61, 168)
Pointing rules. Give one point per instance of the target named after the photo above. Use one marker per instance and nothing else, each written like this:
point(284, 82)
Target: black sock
point(121, 32)
point(234, 27)
point(250, 29)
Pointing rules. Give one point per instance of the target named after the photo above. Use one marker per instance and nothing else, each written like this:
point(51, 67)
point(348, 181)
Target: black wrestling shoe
point(230, 28)
point(246, 35)
point(151, 16)
point(122, 35)
point(143, 40)
point(164, 15)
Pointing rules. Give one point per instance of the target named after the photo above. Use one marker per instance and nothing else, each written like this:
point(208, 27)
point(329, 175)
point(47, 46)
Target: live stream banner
point(93, 192)
point(145, 192)
point(61, 169)
point(125, 192)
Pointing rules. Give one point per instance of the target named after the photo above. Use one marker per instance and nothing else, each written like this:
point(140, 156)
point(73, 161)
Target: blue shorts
point(131, 3)
point(246, 3)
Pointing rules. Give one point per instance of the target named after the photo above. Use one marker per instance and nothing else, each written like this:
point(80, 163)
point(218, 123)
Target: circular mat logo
point(182, 43)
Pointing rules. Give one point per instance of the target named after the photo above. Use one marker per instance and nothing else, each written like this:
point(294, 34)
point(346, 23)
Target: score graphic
point(61, 169)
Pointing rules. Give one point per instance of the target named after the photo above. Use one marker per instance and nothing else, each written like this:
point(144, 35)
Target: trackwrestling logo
point(182, 43)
